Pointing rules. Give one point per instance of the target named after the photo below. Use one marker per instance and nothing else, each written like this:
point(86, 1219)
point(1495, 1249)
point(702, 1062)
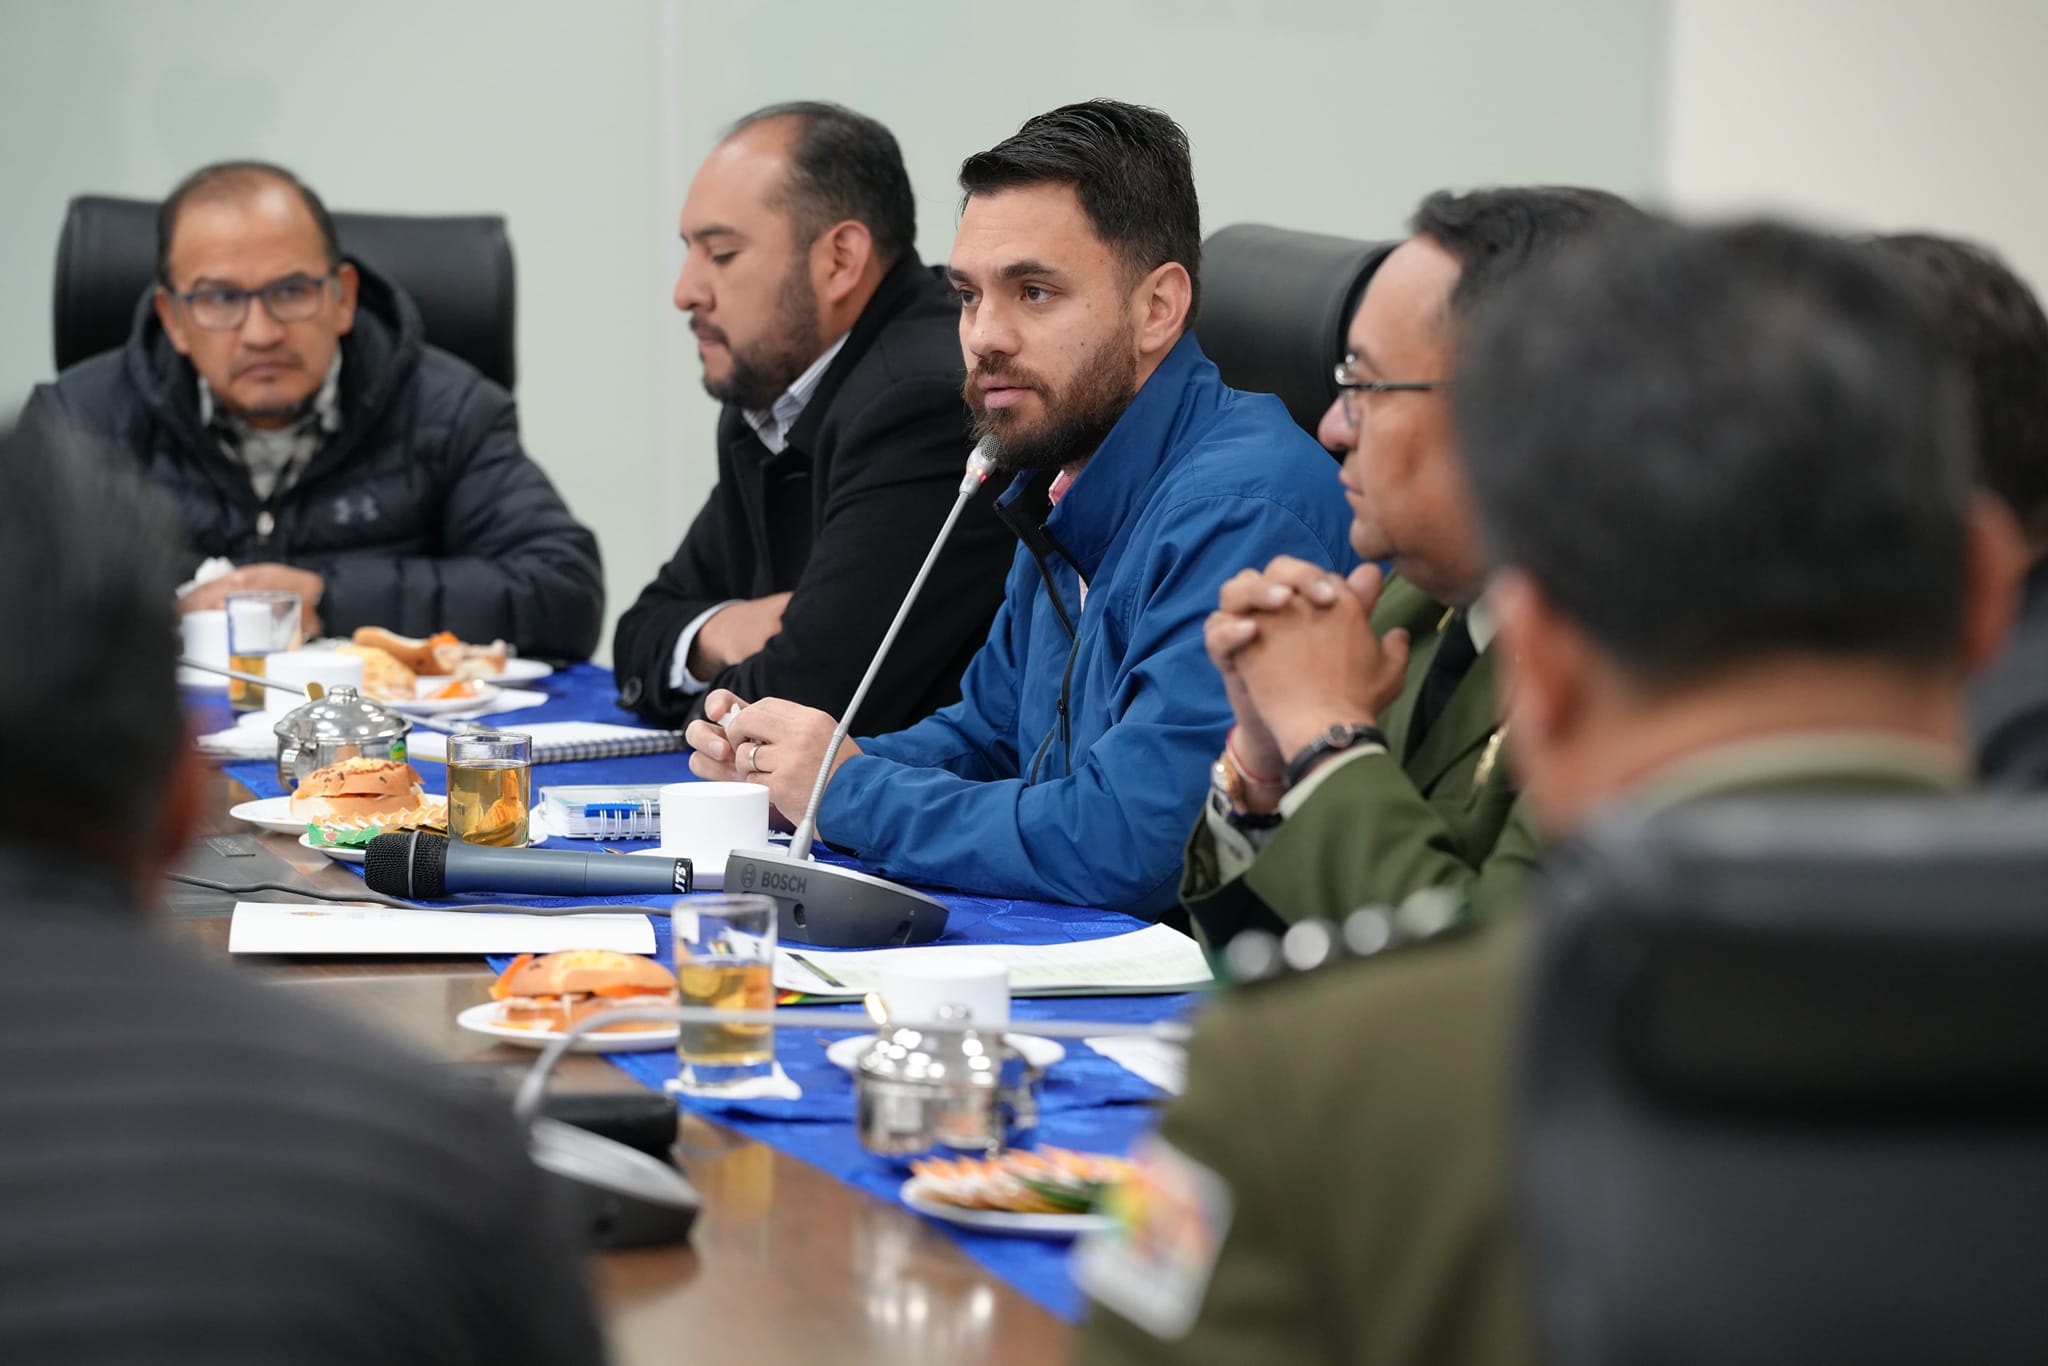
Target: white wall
point(1878, 115)
point(582, 123)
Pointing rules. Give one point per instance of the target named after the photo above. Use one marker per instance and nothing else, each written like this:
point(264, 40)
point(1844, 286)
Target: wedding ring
point(753, 756)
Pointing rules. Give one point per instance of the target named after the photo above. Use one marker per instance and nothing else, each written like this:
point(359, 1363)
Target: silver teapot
point(946, 1089)
point(342, 725)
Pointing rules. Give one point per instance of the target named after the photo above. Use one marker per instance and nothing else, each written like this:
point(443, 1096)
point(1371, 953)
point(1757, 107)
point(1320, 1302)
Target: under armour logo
point(361, 507)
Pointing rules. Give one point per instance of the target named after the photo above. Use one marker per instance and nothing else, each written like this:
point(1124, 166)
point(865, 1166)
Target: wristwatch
point(1227, 794)
point(1335, 739)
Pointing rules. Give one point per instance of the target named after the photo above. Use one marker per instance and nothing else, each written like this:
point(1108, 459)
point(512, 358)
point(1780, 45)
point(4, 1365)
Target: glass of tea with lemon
point(725, 959)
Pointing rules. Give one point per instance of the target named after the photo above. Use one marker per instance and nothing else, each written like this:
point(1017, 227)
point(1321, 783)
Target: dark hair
point(1996, 324)
point(90, 552)
point(231, 180)
point(1495, 233)
point(1131, 169)
point(1714, 446)
point(843, 165)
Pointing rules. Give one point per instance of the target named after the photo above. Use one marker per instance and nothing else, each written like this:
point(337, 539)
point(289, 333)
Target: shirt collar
point(325, 407)
point(772, 424)
point(1790, 758)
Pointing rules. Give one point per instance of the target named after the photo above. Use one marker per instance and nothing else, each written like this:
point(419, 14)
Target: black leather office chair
point(1275, 307)
point(1783, 1092)
point(458, 270)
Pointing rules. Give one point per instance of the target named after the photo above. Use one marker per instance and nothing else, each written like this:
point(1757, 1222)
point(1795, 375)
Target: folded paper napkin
point(775, 1086)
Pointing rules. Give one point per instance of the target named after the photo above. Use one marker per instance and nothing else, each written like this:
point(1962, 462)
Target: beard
point(762, 370)
point(1076, 419)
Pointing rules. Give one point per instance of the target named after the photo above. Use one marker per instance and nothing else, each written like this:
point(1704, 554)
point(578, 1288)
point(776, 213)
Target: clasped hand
point(771, 743)
point(1295, 646)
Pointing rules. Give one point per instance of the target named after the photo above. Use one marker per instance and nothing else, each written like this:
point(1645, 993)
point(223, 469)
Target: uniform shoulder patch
point(1153, 1266)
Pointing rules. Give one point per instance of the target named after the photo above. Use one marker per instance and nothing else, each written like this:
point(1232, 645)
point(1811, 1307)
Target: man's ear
point(345, 276)
point(1996, 564)
point(1546, 662)
point(174, 325)
point(839, 260)
point(1160, 305)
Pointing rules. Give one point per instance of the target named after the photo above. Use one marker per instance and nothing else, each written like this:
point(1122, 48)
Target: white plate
point(272, 813)
point(339, 853)
point(1040, 1053)
point(429, 706)
point(1002, 1221)
point(483, 1019)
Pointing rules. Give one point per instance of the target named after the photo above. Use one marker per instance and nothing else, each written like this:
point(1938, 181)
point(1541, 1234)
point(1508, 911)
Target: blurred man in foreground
point(1997, 324)
point(1076, 756)
point(289, 402)
point(193, 1168)
point(840, 446)
point(1726, 477)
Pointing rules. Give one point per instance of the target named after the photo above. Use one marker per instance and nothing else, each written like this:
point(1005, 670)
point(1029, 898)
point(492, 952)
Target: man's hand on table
point(212, 595)
point(772, 743)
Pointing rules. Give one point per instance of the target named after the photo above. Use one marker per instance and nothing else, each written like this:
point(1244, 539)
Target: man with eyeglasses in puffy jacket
point(288, 400)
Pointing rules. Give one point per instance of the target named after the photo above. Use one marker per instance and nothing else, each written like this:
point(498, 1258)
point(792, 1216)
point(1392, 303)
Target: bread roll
point(357, 787)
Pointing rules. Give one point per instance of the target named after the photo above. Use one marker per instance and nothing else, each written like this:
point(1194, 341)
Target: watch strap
point(1332, 741)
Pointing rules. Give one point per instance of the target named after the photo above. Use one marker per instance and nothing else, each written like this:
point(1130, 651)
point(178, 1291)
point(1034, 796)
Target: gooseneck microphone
point(829, 906)
point(419, 866)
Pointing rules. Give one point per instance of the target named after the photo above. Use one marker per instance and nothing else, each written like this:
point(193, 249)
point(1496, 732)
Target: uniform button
point(265, 523)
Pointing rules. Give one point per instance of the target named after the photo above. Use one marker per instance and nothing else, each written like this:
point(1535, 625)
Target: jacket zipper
point(1061, 728)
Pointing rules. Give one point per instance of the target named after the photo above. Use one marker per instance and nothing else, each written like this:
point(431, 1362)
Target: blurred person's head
point(98, 764)
point(1996, 322)
point(1401, 472)
point(251, 287)
point(1726, 478)
point(790, 226)
point(1077, 261)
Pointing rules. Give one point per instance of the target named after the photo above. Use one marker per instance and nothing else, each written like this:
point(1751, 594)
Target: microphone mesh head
point(413, 865)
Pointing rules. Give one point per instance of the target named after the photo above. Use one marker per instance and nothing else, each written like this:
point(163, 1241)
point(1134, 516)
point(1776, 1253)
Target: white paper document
point(347, 927)
point(1155, 959)
point(1163, 1064)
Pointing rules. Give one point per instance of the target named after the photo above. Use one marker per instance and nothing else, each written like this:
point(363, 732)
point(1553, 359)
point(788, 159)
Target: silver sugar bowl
point(342, 725)
point(943, 1090)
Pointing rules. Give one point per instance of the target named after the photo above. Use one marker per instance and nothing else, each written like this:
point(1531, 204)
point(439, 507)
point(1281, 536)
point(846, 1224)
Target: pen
point(827, 978)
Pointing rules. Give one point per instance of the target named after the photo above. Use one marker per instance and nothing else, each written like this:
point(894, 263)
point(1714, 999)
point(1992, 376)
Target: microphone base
point(834, 908)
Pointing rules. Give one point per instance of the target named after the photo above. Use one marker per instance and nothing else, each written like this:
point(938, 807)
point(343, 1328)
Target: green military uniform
point(1336, 1176)
point(1382, 826)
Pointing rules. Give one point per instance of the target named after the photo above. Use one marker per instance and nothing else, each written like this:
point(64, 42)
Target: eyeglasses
point(1349, 385)
point(222, 308)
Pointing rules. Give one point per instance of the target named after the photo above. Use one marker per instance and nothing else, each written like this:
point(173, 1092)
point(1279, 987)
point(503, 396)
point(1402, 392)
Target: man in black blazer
point(840, 448)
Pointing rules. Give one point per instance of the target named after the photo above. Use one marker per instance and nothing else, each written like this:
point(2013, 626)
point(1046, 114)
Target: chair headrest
point(1275, 306)
point(1788, 1053)
point(458, 271)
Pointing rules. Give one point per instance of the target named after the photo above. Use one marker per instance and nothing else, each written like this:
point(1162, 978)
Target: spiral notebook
point(567, 742)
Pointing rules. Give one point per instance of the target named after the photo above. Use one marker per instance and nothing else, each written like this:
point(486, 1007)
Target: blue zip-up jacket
point(1079, 752)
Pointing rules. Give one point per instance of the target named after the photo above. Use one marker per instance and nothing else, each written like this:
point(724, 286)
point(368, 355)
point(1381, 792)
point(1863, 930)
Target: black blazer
point(840, 518)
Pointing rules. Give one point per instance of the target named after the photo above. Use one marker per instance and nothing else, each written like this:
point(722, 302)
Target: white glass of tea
point(490, 787)
point(725, 959)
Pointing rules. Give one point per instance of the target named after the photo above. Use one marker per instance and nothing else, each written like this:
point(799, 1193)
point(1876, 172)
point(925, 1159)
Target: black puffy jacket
point(423, 513)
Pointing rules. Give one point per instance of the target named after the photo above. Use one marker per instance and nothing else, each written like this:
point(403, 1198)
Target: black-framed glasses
point(222, 308)
point(1349, 385)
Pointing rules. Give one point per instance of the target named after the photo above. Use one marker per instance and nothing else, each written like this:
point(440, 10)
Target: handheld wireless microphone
point(420, 866)
point(832, 907)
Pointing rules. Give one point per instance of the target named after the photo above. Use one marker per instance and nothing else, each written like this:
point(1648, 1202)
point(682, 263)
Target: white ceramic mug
point(914, 988)
point(705, 822)
point(297, 668)
point(205, 636)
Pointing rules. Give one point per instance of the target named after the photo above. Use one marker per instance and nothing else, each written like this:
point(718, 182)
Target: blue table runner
point(1088, 1102)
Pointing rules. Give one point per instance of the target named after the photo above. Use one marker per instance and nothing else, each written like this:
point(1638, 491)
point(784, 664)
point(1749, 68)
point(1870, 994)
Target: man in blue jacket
point(1080, 748)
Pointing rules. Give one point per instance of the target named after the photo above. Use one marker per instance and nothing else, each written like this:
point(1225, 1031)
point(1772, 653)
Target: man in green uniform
point(1366, 761)
point(1725, 476)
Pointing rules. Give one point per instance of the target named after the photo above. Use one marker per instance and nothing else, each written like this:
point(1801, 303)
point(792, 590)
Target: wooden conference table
point(786, 1263)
